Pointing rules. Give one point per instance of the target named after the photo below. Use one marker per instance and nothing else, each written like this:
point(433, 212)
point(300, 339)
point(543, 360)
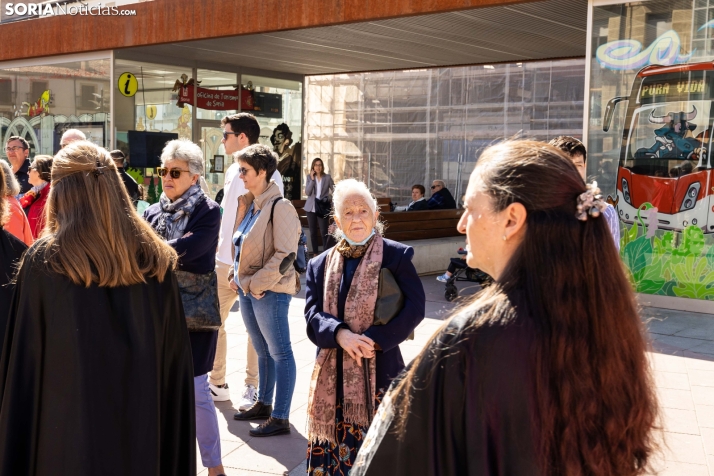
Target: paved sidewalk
point(682, 357)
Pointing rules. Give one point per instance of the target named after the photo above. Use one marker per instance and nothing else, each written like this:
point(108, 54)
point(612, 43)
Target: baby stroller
point(464, 273)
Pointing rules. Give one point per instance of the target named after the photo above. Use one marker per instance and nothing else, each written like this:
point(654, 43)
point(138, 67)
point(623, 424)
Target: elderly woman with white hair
point(189, 221)
point(357, 359)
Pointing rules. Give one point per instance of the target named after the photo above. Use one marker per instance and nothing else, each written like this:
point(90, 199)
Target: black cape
point(472, 409)
point(11, 250)
point(95, 380)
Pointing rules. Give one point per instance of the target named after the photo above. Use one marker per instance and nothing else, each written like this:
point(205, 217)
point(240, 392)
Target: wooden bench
point(405, 226)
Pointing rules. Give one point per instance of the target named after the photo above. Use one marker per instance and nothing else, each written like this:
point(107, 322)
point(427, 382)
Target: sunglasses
point(226, 134)
point(243, 171)
point(174, 173)
point(434, 186)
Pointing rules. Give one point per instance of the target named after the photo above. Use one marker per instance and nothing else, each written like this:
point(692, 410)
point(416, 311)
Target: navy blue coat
point(322, 327)
point(197, 254)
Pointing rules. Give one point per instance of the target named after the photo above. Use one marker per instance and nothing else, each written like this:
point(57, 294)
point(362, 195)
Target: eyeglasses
point(226, 134)
point(174, 173)
point(13, 149)
point(243, 171)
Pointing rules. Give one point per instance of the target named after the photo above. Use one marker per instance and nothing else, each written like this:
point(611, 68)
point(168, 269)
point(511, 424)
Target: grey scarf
point(174, 216)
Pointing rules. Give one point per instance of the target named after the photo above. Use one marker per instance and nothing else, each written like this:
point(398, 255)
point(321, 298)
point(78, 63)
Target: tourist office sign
point(260, 104)
point(217, 99)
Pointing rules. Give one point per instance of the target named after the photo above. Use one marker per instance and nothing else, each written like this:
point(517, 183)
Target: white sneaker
point(220, 394)
point(250, 396)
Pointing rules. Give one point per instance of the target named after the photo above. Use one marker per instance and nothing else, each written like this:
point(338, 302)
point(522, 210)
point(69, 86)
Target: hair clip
point(590, 203)
point(99, 170)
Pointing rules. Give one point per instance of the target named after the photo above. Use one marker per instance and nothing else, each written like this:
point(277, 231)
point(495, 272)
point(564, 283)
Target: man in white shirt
point(239, 131)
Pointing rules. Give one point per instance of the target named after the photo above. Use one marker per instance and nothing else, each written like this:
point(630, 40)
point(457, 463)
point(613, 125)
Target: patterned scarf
point(173, 220)
point(359, 315)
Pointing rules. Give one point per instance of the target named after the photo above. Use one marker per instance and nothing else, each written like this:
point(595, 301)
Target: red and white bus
point(665, 156)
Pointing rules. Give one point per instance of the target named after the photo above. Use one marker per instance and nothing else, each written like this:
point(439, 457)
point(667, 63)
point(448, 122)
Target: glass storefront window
point(277, 105)
point(40, 102)
point(209, 125)
point(150, 107)
point(396, 129)
point(649, 139)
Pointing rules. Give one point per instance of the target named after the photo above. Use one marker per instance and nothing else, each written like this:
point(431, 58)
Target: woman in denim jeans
point(265, 240)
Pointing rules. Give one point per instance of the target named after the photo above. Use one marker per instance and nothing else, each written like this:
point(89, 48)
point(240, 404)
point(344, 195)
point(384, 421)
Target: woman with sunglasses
point(265, 239)
point(33, 202)
point(189, 221)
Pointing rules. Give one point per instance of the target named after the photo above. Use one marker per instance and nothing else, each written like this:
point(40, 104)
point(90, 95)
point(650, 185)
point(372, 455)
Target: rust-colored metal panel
point(169, 21)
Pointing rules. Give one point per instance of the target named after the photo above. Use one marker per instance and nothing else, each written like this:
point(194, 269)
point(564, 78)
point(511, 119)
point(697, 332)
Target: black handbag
point(323, 207)
point(199, 294)
point(390, 299)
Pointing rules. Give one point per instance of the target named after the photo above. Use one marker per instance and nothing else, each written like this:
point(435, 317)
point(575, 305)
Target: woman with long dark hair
point(35, 199)
point(543, 373)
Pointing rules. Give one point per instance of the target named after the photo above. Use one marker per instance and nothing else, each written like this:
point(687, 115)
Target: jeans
point(209, 440)
point(266, 320)
point(226, 298)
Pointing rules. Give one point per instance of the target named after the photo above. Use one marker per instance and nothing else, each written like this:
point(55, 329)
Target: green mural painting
point(667, 263)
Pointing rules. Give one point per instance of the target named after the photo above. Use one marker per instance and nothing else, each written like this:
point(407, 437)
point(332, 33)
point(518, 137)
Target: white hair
point(186, 151)
point(71, 135)
point(13, 186)
point(349, 188)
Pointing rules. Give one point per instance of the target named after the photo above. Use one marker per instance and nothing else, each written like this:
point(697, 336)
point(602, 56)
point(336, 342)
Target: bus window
point(670, 138)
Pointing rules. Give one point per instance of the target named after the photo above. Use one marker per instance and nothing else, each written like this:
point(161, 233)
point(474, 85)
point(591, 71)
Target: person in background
point(17, 150)
point(579, 156)
point(418, 201)
point(239, 131)
point(265, 237)
point(318, 185)
point(546, 371)
point(130, 184)
point(340, 301)
point(189, 221)
point(71, 135)
point(95, 372)
point(35, 199)
point(17, 223)
point(441, 198)
point(11, 250)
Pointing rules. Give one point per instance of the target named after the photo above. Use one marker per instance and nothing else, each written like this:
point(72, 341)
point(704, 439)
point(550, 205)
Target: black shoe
point(272, 427)
point(258, 411)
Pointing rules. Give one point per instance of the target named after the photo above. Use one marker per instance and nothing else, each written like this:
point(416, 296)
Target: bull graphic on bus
point(665, 155)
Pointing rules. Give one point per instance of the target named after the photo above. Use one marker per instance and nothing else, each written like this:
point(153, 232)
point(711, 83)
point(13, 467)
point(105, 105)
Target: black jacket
point(95, 380)
point(130, 184)
point(472, 407)
point(418, 205)
point(11, 251)
point(197, 254)
point(23, 177)
point(442, 200)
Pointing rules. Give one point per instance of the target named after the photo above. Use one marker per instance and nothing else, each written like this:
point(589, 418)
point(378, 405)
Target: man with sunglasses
point(441, 198)
point(239, 131)
point(17, 150)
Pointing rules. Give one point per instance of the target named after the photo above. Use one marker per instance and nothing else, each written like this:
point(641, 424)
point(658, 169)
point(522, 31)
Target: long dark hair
point(592, 383)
